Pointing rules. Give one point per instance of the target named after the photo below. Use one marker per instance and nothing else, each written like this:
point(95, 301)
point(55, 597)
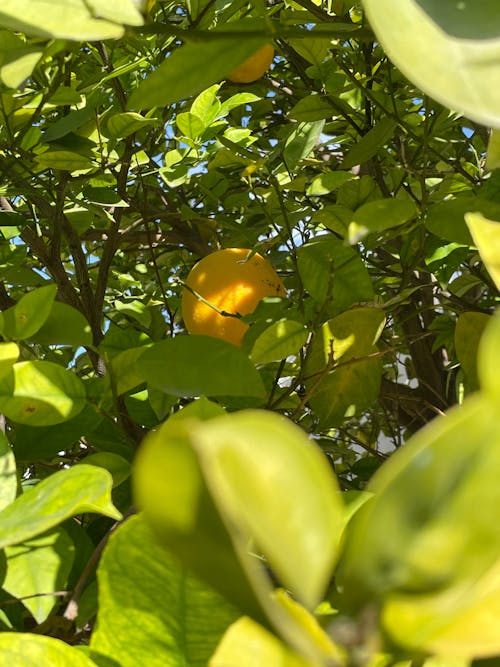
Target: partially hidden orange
point(222, 287)
point(254, 67)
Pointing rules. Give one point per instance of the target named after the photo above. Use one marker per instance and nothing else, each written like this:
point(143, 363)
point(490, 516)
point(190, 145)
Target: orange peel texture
point(254, 67)
point(230, 282)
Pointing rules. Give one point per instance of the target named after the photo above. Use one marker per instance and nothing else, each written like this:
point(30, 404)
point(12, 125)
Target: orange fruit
point(254, 67)
point(231, 283)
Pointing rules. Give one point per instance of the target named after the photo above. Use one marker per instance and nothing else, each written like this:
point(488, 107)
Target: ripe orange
point(231, 283)
point(254, 67)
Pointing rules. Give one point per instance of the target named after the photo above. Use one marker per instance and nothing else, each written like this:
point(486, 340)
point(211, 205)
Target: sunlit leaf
point(468, 332)
point(486, 235)
point(121, 125)
point(41, 393)
point(60, 496)
point(38, 567)
point(328, 267)
point(448, 49)
point(379, 215)
point(472, 615)
point(243, 456)
point(155, 612)
point(18, 64)
point(9, 354)
point(343, 371)
point(488, 360)
point(170, 490)
point(280, 340)
point(431, 526)
point(8, 473)
point(29, 314)
point(69, 19)
point(116, 465)
point(248, 644)
point(24, 649)
point(325, 183)
point(493, 154)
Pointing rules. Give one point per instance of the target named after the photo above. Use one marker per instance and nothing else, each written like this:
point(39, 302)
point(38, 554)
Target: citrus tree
point(249, 352)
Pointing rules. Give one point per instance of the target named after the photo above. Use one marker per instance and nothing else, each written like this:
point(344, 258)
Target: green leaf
point(68, 19)
point(64, 160)
point(201, 409)
point(448, 49)
point(154, 613)
point(242, 457)
point(313, 49)
point(121, 125)
point(248, 644)
point(206, 106)
point(200, 366)
point(136, 309)
point(17, 65)
point(120, 11)
point(330, 269)
point(341, 378)
point(486, 236)
point(301, 142)
point(101, 660)
point(280, 340)
point(446, 219)
point(488, 360)
point(23, 649)
point(43, 443)
point(41, 393)
point(193, 67)
point(470, 634)
point(105, 196)
point(379, 215)
point(9, 354)
point(369, 145)
point(357, 191)
point(62, 495)
point(80, 218)
point(431, 526)
point(334, 217)
point(8, 473)
point(126, 370)
point(72, 121)
point(493, 152)
point(169, 488)
point(190, 125)
point(117, 466)
point(235, 101)
point(321, 650)
point(30, 312)
point(64, 325)
point(323, 184)
point(312, 107)
point(468, 332)
point(38, 567)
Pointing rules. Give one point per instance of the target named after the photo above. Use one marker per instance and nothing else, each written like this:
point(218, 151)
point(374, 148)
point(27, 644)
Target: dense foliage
point(326, 493)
